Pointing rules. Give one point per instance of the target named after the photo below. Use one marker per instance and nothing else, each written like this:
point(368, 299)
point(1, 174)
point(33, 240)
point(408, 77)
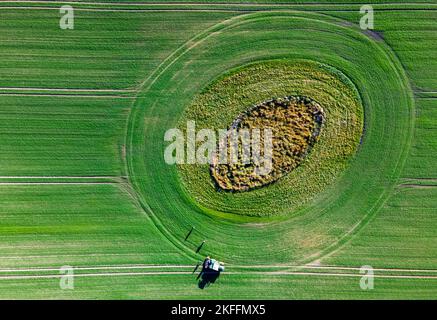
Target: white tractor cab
point(213, 265)
point(217, 266)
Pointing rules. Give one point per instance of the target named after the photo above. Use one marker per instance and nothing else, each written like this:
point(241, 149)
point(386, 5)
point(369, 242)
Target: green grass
point(381, 211)
point(268, 1)
point(114, 50)
point(58, 136)
point(422, 161)
point(78, 225)
point(412, 35)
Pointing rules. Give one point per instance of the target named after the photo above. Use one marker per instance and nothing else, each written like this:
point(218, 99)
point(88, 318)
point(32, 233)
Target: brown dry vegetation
point(295, 123)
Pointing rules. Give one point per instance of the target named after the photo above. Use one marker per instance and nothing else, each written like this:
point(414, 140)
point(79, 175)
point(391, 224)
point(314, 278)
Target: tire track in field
point(67, 92)
point(134, 10)
point(219, 7)
point(345, 238)
point(380, 202)
point(178, 266)
point(241, 272)
point(51, 180)
point(65, 95)
point(65, 89)
point(229, 4)
point(154, 76)
point(159, 273)
point(418, 186)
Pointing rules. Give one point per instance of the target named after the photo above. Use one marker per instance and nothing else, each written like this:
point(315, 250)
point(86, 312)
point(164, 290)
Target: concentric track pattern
point(337, 214)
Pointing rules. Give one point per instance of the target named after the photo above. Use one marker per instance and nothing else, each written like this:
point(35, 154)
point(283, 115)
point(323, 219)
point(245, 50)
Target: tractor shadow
point(207, 277)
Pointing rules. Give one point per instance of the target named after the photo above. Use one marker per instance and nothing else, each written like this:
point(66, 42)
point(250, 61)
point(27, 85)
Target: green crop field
point(84, 183)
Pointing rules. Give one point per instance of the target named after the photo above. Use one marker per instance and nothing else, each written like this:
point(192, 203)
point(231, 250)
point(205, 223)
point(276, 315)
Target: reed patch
point(295, 123)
